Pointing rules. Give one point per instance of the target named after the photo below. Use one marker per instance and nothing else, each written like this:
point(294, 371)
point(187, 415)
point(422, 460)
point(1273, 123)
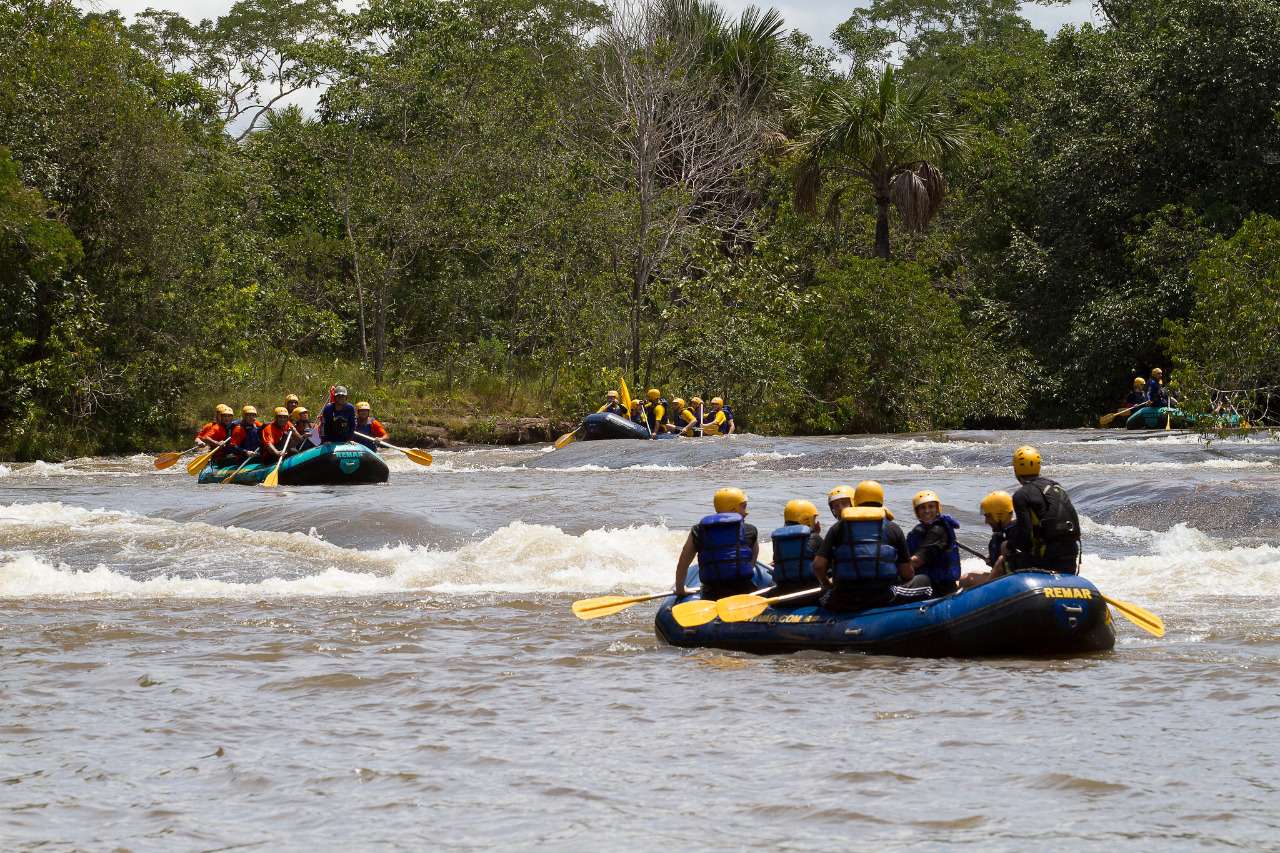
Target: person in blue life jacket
point(795, 544)
point(726, 548)
point(1137, 398)
point(997, 512)
point(246, 436)
point(717, 421)
point(935, 556)
point(337, 418)
point(863, 556)
point(637, 414)
point(681, 417)
point(612, 406)
point(657, 412)
point(1156, 393)
point(1045, 536)
point(694, 429)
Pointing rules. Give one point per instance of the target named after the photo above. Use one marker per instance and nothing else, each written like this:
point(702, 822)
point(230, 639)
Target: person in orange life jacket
point(337, 419)
point(301, 430)
point(277, 437)
point(863, 556)
point(726, 548)
point(935, 556)
point(997, 512)
point(215, 433)
point(366, 424)
point(1045, 536)
point(795, 544)
point(612, 406)
point(694, 427)
point(246, 436)
point(681, 417)
point(656, 416)
point(290, 403)
point(718, 421)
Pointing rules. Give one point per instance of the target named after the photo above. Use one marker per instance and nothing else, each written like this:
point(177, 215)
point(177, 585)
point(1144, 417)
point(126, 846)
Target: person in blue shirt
point(337, 419)
point(1156, 394)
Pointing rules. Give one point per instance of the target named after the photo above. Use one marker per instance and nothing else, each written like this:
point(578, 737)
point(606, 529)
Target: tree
point(880, 131)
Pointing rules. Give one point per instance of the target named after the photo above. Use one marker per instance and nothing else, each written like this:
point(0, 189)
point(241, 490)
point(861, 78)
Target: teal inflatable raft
point(1021, 614)
point(326, 465)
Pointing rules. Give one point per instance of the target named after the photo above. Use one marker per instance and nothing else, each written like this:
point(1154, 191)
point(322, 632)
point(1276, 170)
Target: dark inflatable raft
point(1022, 614)
point(326, 465)
point(607, 425)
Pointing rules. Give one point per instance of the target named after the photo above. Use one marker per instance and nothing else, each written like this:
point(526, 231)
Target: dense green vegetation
point(497, 200)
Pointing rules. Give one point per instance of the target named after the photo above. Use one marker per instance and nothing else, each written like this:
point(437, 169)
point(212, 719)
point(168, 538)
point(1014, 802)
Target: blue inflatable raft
point(326, 465)
point(1021, 614)
point(607, 425)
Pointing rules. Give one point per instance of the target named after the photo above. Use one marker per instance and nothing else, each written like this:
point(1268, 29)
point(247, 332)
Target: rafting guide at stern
point(1045, 535)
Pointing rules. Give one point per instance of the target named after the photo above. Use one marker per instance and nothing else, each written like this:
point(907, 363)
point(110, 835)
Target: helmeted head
point(340, 393)
point(1157, 373)
point(281, 415)
point(717, 402)
point(291, 402)
point(224, 414)
point(612, 395)
point(997, 508)
point(301, 414)
point(868, 493)
point(927, 505)
point(1026, 461)
point(248, 411)
point(654, 395)
point(800, 512)
point(636, 405)
point(678, 402)
point(363, 409)
point(1138, 383)
point(730, 500)
point(840, 499)
point(697, 401)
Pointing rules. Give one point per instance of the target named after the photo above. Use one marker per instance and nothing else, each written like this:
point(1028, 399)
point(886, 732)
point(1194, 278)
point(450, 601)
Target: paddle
point(1106, 419)
point(607, 605)
point(242, 464)
point(1144, 619)
point(567, 439)
point(273, 479)
point(167, 460)
point(691, 613)
point(422, 457)
point(739, 608)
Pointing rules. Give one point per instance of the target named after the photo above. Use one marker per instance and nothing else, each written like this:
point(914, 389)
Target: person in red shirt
point(214, 435)
point(367, 427)
point(277, 437)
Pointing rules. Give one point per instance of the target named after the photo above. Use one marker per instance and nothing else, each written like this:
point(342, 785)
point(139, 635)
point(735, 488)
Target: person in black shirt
point(1046, 534)
point(863, 556)
point(726, 548)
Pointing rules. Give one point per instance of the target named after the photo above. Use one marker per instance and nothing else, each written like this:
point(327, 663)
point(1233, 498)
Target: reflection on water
point(396, 667)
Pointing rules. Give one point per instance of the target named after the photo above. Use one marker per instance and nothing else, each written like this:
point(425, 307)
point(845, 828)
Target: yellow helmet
point(678, 402)
point(292, 398)
point(299, 411)
point(696, 401)
point(223, 409)
point(655, 395)
point(281, 410)
point(1138, 382)
point(635, 404)
point(840, 492)
point(1157, 372)
point(1026, 461)
point(728, 500)
point(998, 505)
point(716, 401)
point(800, 512)
point(924, 498)
point(613, 394)
point(868, 493)
point(248, 410)
point(362, 406)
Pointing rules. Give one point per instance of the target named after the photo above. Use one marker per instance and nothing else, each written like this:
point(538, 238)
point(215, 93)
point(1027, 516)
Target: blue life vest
point(726, 555)
point(650, 421)
point(864, 552)
point(946, 566)
point(1156, 394)
point(337, 425)
point(993, 547)
point(728, 417)
point(252, 435)
point(792, 556)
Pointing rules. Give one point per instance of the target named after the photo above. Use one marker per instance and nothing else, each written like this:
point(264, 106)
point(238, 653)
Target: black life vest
point(651, 420)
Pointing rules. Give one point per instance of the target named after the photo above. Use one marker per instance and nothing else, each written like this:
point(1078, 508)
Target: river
point(396, 667)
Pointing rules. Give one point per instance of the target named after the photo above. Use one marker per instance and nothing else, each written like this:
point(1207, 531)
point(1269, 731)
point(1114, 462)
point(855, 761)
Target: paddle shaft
point(246, 461)
point(273, 479)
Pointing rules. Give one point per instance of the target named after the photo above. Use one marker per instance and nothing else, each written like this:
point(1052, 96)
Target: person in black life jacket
point(246, 436)
point(1046, 534)
point(726, 548)
point(657, 412)
point(997, 512)
point(1138, 396)
point(612, 406)
point(717, 421)
point(637, 414)
point(935, 556)
point(1156, 394)
point(694, 429)
point(337, 419)
point(301, 430)
point(681, 417)
point(795, 544)
point(864, 555)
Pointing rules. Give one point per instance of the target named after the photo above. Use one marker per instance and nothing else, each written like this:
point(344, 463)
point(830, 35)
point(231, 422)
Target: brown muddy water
point(396, 668)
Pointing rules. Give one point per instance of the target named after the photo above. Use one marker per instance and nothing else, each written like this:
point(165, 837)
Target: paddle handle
point(801, 594)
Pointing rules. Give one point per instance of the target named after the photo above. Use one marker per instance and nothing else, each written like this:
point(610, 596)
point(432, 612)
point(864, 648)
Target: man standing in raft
point(866, 553)
point(935, 556)
point(726, 548)
point(337, 419)
point(1046, 534)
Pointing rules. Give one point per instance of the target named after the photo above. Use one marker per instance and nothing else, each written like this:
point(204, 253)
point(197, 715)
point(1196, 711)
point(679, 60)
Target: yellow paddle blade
point(689, 614)
point(166, 460)
point(1144, 619)
point(195, 466)
point(566, 439)
point(739, 608)
point(1106, 419)
point(422, 457)
point(273, 479)
point(606, 605)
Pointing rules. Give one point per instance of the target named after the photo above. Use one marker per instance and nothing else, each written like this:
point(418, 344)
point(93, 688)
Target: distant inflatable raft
point(1021, 614)
point(326, 465)
point(607, 426)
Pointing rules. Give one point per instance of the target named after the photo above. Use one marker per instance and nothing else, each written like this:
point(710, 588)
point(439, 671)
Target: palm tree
point(883, 133)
